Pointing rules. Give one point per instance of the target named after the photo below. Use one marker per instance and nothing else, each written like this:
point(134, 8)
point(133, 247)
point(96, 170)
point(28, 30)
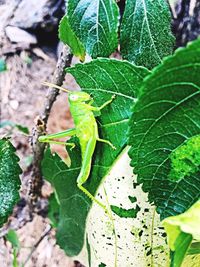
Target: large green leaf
point(9, 179)
point(166, 115)
point(95, 23)
point(102, 78)
point(145, 32)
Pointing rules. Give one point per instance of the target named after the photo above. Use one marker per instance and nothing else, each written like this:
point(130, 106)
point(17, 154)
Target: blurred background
point(29, 48)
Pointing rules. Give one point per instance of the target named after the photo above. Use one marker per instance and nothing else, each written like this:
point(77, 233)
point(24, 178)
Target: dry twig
point(46, 232)
point(40, 127)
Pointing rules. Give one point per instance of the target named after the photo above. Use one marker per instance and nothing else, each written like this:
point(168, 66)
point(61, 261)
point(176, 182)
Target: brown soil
point(22, 97)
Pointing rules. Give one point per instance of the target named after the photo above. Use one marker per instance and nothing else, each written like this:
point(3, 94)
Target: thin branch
point(46, 232)
point(40, 126)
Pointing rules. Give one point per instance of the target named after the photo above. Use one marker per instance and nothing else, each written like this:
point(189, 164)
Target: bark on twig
point(40, 127)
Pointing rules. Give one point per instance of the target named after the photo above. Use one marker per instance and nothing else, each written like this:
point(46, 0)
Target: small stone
point(17, 35)
point(32, 13)
point(14, 104)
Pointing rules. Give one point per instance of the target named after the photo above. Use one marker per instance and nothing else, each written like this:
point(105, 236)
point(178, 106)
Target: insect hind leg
point(87, 193)
point(85, 171)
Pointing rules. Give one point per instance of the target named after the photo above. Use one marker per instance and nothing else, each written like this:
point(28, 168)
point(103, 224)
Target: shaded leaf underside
point(166, 115)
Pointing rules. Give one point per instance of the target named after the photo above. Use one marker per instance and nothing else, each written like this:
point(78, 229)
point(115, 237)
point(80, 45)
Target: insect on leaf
point(165, 116)
point(145, 32)
point(101, 78)
point(9, 179)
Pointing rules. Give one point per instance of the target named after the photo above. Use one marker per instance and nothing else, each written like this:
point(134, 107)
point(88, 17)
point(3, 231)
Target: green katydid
point(85, 129)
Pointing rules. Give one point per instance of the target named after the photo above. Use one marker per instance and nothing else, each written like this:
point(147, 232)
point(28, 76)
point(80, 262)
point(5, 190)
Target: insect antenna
point(56, 86)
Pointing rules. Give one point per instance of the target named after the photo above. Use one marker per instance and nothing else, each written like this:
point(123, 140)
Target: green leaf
point(53, 210)
point(3, 66)
point(182, 244)
point(88, 251)
point(14, 240)
point(12, 237)
point(187, 222)
point(125, 213)
point(20, 127)
point(95, 23)
point(67, 36)
point(181, 229)
point(194, 248)
point(165, 116)
point(102, 78)
point(9, 179)
point(145, 32)
point(185, 160)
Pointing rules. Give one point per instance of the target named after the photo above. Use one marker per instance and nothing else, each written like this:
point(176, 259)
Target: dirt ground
point(22, 97)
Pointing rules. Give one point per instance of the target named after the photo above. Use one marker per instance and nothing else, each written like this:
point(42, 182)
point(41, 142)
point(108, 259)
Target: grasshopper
point(86, 130)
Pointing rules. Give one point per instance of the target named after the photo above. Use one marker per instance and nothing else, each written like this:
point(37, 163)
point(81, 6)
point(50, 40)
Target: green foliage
point(194, 248)
point(13, 125)
point(92, 24)
point(3, 66)
point(125, 213)
point(185, 160)
point(53, 210)
point(9, 179)
point(102, 78)
point(12, 237)
point(181, 229)
point(88, 251)
point(67, 36)
point(182, 244)
point(145, 32)
point(187, 222)
point(165, 116)
point(14, 240)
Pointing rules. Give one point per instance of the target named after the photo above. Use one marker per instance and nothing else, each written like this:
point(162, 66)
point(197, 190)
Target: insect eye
point(73, 97)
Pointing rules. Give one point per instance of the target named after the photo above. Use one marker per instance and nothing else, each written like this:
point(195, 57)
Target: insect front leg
point(102, 106)
point(107, 102)
point(49, 138)
point(107, 142)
